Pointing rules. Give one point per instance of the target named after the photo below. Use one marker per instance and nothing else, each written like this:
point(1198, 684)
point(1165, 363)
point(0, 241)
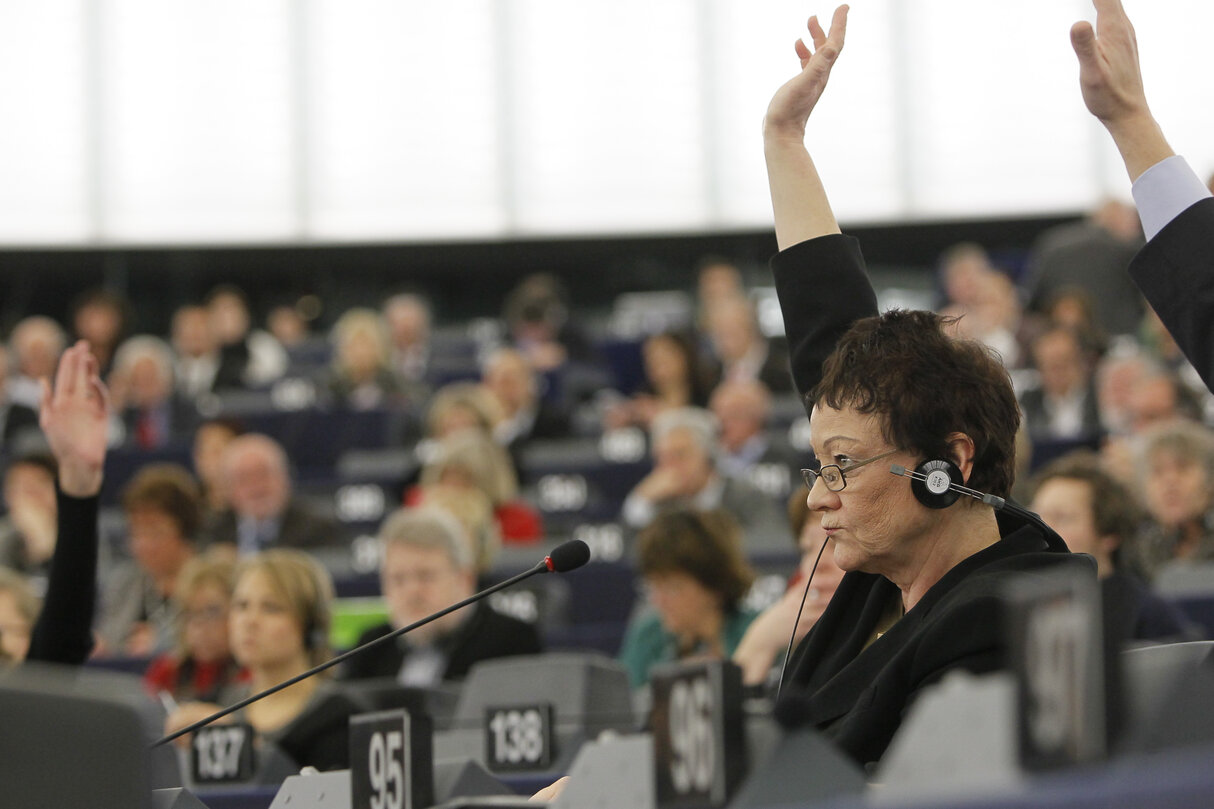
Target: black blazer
point(299, 528)
point(858, 695)
point(486, 634)
point(1173, 271)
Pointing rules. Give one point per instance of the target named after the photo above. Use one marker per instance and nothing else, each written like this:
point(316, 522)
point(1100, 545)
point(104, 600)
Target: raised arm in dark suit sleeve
point(1175, 270)
point(820, 276)
point(74, 418)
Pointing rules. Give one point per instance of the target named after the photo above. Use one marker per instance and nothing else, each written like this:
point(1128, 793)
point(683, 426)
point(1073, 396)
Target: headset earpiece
point(938, 477)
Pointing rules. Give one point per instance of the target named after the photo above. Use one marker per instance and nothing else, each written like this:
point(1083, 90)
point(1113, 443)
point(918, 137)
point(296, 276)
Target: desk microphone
point(564, 557)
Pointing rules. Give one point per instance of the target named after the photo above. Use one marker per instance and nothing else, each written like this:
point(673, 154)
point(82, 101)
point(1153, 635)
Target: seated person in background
point(474, 510)
point(685, 476)
point(741, 408)
point(278, 627)
point(211, 440)
point(18, 610)
point(27, 532)
point(195, 352)
point(509, 377)
point(201, 666)
point(361, 375)
point(761, 651)
point(920, 596)
point(290, 326)
point(408, 319)
point(1063, 406)
point(263, 512)
point(696, 575)
point(100, 317)
point(152, 415)
point(470, 459)
point(18, 422)
point(163, 515)
point(537, 318)
point(36, 344)
point(249, 358)
point(427, 565)
point(1098, 516)
point(718, 281)
point(743, 352)
point(1176, 473)
point(675, 376)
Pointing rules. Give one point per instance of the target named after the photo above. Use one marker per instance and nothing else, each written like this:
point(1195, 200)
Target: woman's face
point(205, 612)
point(1177, 489)
point(875, 521)
point(264, 631)
point(681, 601)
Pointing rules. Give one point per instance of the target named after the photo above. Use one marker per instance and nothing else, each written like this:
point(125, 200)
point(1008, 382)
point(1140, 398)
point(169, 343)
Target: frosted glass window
point(606, 116)
point(44, 141)
point(996, 124)
point(403, 120)
point(198, 141)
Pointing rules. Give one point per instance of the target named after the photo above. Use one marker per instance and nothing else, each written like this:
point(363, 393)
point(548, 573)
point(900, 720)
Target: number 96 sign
point(699, 747)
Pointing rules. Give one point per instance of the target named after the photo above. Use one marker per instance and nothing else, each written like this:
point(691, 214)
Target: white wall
point(159, 121)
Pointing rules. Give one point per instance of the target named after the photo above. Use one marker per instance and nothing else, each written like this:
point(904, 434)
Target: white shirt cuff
point(1164, 191)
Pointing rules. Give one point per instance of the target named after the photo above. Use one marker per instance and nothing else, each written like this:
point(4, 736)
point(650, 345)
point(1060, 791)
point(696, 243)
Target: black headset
point(938, 483)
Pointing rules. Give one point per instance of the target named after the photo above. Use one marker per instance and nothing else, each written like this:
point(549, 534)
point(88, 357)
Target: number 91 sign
point(698, 738)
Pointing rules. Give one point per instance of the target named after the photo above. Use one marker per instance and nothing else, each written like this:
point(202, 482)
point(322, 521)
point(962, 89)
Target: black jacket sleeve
point(823, 288)
point(63, 633)
point(1175, 271)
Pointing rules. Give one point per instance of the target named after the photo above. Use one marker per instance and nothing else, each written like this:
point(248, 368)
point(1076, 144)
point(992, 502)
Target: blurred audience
point(18, 422)
point(211, 440)
point(743, 352)
point(196, 352)
point(263, 513)
point(1095, 514)
point(36, 344)
point(1091, 255)
point(163, 515)
point(685, 476)
point(152, 415)
point(470, 459)
point(428, 564)
point(278, 627)
point(510, 379)
point(408, 319)
point(675, 376)
point(1176, 476)
point(248, 357)
point(361, 377)
point(29, 529)
point(200, 666)
point(746, 448)
point(1063, 406)
point(537, 320)
point(695, 576)
point(718, 281)
point(101, 317)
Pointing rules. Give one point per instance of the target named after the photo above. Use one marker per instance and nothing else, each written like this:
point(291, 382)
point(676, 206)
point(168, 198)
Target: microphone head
point(568, 556)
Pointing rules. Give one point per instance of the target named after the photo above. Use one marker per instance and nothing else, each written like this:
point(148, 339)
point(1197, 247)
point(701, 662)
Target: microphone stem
point(539, 568)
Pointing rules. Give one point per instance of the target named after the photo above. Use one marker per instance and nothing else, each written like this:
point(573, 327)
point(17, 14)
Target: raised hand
point(1111, 82)
point(75, 417)
point(791, 105)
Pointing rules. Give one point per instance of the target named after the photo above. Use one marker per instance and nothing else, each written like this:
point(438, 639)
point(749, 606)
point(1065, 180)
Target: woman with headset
point(889, 393)
point(278, 625)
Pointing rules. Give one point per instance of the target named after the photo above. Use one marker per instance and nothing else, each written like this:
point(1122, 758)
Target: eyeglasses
point(833, 474)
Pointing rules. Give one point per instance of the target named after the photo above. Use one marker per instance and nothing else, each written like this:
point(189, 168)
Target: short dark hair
point(169, 489)
point(706, 545)
point(924, 385)
point(1115, 510)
